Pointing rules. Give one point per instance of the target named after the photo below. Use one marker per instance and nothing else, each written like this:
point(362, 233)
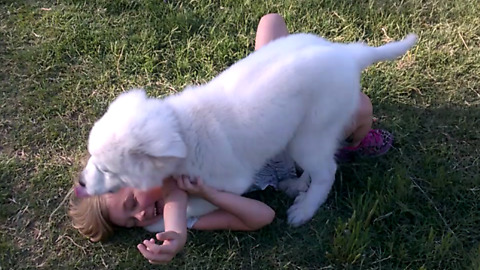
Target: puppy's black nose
point(81, 182)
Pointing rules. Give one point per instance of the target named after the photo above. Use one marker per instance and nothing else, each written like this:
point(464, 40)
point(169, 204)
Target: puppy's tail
point(367, 55)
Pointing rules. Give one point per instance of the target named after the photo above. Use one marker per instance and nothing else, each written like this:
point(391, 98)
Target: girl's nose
point(140, 215)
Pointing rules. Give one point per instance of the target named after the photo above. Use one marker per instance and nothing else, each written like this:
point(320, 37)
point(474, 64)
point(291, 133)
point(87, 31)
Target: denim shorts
point(279, 168)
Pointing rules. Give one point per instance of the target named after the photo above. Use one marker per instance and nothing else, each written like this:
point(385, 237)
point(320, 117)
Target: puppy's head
point(136, 144)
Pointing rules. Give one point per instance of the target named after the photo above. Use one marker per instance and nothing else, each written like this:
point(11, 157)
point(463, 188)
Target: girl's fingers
point(151, 246)
point(180, 184)
point(187, 183)
point(154, 258)
point(158, 249)
point(168, 235)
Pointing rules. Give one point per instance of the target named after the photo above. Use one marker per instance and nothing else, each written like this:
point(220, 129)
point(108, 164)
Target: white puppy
point(296, 94)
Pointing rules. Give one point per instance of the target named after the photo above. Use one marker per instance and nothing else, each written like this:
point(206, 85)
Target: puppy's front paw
point(293, 186)
point(300, 212)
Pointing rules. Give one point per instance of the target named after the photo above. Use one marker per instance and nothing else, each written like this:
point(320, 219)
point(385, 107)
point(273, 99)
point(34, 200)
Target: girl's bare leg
point(270, 27)
point(362, 123)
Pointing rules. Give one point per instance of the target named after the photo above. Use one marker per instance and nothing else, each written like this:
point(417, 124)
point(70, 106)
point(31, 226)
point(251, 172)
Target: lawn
point(63, 62)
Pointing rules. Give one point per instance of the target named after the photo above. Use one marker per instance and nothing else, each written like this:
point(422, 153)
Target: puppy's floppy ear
point(175, 147)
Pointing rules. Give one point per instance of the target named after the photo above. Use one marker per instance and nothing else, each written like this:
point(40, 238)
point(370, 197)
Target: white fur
point(296, 94)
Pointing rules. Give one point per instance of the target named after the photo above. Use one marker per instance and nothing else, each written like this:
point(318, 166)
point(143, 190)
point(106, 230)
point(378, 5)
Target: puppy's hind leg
point(318, 162)
point(293, 186)
point(307, 203)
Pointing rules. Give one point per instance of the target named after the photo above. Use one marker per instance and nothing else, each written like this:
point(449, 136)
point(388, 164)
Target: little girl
point(95, 217)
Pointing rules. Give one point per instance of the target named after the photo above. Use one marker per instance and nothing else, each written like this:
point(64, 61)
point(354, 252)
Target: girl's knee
point(272, 18)
point(270, 27)
point(365, 110)
point(363, 119)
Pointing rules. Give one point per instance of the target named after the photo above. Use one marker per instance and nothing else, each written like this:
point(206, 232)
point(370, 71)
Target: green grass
point(62, 62)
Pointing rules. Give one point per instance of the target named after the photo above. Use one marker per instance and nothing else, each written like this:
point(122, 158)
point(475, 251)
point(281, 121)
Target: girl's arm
point(175, 235)
point(235, 212)
point(175, 208)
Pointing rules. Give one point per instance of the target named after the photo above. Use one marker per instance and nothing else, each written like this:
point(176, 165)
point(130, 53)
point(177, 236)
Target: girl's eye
point(133, 202)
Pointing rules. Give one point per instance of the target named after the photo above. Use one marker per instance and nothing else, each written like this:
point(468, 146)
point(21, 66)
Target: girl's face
point(131, 207)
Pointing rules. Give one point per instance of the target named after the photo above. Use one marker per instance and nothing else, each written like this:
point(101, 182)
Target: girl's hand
point(194, 186)
point(164, 253)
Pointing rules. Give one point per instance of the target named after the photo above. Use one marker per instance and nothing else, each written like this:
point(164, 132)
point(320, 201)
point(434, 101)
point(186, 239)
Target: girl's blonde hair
point(90, 217)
